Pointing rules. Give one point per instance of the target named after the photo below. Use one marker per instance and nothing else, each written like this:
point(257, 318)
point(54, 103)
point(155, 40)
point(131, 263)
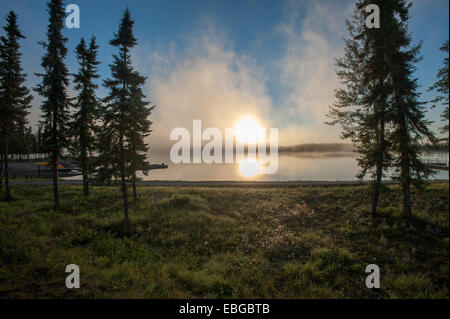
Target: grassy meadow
point(235, 242)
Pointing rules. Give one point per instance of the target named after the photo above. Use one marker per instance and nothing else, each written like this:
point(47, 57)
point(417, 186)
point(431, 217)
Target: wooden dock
point(158, 166)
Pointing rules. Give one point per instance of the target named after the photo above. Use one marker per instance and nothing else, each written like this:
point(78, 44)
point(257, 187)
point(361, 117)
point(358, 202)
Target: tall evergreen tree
point(123, 126)
point(379, 107)
point(14, 96)
point(441, 86)
point(140, 117)
point(83, 122)
point(410, 127)
point(53, 88)
point(361, 104)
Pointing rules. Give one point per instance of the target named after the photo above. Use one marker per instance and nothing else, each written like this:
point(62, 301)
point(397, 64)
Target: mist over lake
point(292, 166)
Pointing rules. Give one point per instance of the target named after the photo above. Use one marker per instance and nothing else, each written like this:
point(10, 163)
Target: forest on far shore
point(345, 147)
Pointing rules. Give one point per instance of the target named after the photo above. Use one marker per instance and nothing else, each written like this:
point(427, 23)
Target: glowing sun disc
point(247, 130)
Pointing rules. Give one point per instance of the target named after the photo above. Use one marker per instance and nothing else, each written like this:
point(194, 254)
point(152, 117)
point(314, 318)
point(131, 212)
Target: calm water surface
point(291, 167)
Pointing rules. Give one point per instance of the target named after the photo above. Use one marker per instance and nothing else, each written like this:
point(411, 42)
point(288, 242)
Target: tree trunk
point(404, 164)
point(379, 169)
point(134, 187)
point(84, 171)
point(55, 177)
point(376, 191)
point(124, 184)
point(1, 169)
point(7, 189)
point(122, 153)
point(85, 181)
point(407, 209)
point(55, 154)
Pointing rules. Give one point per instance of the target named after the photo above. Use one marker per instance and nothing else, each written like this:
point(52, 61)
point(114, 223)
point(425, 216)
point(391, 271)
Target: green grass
point(302, 242)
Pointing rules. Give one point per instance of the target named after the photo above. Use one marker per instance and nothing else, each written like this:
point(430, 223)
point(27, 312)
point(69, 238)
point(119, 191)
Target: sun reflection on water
point(249, 167)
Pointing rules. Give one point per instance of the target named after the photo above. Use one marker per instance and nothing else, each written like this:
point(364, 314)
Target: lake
point(317, 166)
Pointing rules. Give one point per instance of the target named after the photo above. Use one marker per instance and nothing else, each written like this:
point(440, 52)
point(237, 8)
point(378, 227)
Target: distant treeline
point(319, 147)
point(344, 147)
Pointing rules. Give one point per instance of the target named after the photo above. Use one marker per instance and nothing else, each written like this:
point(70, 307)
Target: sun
point(248, 131)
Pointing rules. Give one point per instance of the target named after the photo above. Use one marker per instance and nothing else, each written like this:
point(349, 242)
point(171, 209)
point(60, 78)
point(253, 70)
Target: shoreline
point(224, 183)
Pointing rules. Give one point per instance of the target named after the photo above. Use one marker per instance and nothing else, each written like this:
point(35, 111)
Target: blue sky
point(221, 60)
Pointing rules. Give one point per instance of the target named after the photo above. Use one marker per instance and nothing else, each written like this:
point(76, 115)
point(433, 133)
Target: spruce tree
point(140, 117)
point(123, 128)
point(83, 123)
point(379, 107)
point(14, 96)
point(410, 128)
point(53, 88)
point(441, 86)
point(361, 104)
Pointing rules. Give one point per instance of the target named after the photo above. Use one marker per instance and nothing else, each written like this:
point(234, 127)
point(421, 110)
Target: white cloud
point(206, 81)
point(209, 80)
point(308, 69)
